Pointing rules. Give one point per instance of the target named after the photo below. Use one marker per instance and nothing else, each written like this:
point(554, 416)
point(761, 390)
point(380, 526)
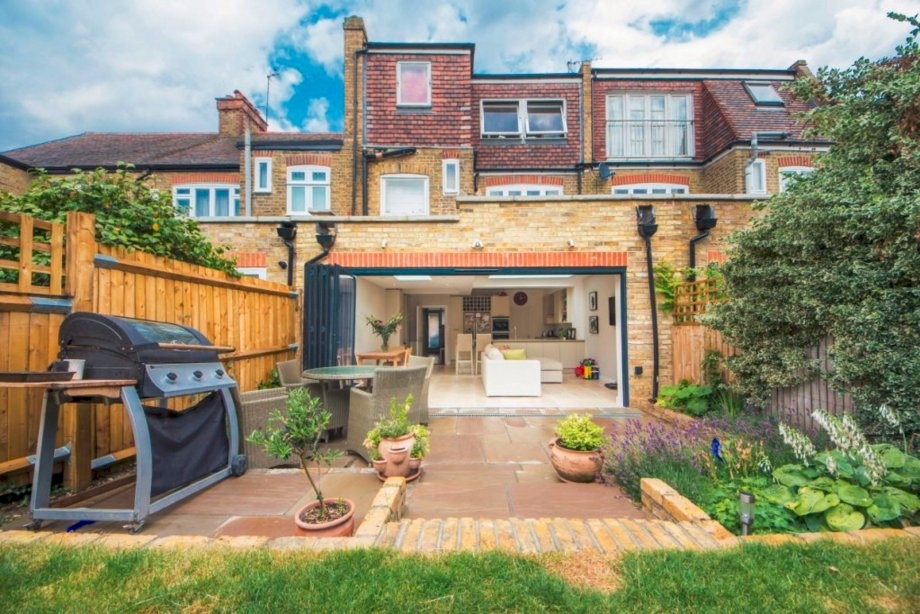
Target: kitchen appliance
point(182, 446)
point(501, 328)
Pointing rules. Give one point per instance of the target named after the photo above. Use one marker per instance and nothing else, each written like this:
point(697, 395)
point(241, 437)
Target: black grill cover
point(117, 348)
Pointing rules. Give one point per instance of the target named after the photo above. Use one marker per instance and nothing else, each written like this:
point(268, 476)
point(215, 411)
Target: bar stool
point(482, 340)
point(463, 353)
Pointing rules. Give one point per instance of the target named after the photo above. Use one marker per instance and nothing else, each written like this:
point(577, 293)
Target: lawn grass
point(818, 577)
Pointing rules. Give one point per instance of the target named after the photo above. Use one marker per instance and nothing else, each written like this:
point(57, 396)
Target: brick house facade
point(546, 171)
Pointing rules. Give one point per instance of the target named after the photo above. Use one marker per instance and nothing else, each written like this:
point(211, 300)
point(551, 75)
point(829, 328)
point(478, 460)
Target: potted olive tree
point(576, 451)
point(396, 447)
point(298, 432)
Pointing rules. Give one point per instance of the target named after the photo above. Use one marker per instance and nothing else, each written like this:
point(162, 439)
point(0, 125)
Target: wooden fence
point(691, 341)
point(260, 319)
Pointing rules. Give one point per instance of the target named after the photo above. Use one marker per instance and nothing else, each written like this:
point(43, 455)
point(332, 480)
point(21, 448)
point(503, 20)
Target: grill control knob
point(197, 374)
point(172, 376)
point(219, 372)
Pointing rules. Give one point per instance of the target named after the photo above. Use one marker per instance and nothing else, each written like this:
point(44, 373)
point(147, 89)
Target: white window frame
point(185, 198)
point(516, 190)
point(450, 176)
point(526, 111)
point(400, 101)
point(258, 272)
point(790, 173)
point(650, 189)
point(258, 184)
point(309, 184)
point(649, 126)
point(388, 208)
point(755, 177)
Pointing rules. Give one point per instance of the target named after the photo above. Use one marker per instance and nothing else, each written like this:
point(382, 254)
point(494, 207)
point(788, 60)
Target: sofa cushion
point(518, 354)
point(493, 353)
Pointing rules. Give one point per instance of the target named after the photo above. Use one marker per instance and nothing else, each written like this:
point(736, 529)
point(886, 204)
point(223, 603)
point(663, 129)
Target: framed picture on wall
point(612, 310)
point(592, 301)
point(592, 325)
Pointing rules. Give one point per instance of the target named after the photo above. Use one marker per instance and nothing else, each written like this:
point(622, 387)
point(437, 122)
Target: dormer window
point(413, 84)
point(523, 119)
point(763, 94)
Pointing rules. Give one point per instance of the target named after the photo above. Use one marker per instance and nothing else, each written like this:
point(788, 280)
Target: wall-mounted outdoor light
point(705, 220)
point(325, 235)
point(478, 244)
point(746, 511)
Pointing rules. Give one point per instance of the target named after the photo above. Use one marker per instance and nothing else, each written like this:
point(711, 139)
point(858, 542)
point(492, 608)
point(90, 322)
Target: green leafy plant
point(298, 431)
point(579, 432)
point(685, 397)
point(273, 380)
point(130, 212)
point(396, 424)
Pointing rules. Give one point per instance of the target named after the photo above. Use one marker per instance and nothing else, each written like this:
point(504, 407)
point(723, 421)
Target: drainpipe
point(354, 135)
point(645, 216)
point(247, 170)
point(287, 232)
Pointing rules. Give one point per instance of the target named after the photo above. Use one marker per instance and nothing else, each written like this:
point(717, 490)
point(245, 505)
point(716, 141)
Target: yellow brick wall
point(13, 180)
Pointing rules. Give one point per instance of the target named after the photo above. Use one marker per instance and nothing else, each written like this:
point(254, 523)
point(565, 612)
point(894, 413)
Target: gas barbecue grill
point(179, 452)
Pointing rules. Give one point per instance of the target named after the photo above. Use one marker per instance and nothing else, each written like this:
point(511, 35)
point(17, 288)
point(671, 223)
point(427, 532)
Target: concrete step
point(532, 536)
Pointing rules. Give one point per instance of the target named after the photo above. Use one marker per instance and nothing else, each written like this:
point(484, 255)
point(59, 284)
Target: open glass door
point(328, 316)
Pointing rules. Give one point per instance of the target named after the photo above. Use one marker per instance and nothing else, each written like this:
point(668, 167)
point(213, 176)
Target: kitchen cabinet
point(501, 306)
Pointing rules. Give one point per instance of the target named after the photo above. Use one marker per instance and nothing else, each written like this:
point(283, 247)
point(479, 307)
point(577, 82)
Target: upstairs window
point(263, 175)
point(649, 126)
point(450, 176)
point(755, 177)
point(523, 118)
point(650, 188)
point(788, 174)
point(523, 189)
point(413, 84)
point(201, 201)
point(307, 189)
point(763, 94)
point(404, 195)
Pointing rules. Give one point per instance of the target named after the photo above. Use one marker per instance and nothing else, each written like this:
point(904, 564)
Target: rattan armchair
point(366, 408)
point(289, 373)
point(419, 411)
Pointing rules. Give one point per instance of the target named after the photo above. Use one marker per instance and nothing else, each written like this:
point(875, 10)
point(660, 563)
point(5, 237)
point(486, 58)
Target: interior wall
point(369, 300)
point(604, 347)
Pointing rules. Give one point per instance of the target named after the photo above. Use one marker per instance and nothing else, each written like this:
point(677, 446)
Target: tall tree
point(838, 254)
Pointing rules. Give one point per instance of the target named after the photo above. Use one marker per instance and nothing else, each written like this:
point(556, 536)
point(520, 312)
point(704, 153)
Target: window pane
point(298, 198)
point(545, 117)
point(263, 175)
point(404, 196)
point(298, 176)
point(413, 83)
point(202, 202)
point(500, 118)
point(221, 202)
point(319, 198)
point(451, 179)
point(318, 176)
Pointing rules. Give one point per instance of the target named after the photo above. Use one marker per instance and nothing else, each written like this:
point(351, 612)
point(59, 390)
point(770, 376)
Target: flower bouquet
point(385, 328)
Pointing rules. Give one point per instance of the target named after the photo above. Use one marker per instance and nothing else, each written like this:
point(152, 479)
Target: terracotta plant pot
point(396, 453)
point(343, 526)
point(574, 465)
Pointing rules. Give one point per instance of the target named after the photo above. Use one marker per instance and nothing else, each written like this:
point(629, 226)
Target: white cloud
point(70, 66)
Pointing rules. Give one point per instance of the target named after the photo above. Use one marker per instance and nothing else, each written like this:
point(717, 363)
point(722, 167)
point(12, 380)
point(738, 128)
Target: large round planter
point(396, 453)
point(574, 465)
point(340, 527)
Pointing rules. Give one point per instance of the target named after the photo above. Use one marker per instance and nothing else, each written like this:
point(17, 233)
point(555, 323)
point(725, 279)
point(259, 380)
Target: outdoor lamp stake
point(746, 511)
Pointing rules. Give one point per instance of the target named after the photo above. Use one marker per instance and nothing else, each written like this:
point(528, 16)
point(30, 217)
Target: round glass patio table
point(341, 373)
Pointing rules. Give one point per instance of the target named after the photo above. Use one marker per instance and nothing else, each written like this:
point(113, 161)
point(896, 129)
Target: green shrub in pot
point(579, 432)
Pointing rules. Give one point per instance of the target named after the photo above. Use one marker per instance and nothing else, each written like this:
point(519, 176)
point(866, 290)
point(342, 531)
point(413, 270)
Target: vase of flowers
point(385, 328)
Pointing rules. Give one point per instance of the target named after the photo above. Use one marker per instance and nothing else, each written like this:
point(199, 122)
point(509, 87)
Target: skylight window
point(763, 94)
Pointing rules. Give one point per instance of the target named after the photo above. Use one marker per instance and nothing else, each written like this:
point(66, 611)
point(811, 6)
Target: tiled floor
point(488, 459)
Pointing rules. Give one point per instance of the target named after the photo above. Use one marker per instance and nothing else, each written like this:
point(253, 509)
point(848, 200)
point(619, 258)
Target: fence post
point(79, 419)
point(81, 250)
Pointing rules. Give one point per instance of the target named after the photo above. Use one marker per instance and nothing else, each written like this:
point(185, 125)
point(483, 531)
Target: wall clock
point(520, 298)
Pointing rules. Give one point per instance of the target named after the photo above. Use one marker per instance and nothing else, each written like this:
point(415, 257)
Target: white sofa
point(509, 378)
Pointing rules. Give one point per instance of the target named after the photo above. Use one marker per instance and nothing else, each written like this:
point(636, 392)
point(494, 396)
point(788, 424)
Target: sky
point(74, 66)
